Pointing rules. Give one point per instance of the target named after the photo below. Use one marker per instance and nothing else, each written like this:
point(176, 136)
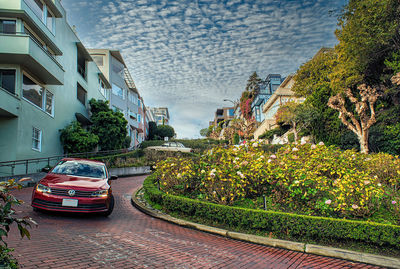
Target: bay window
point(37, 95)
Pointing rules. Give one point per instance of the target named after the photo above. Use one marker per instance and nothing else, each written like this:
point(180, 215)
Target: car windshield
point(80, 169)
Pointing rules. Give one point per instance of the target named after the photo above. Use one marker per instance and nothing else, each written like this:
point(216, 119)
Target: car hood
point(63, 181)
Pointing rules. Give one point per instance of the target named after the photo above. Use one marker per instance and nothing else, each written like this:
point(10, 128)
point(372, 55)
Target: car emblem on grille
point(71, 192)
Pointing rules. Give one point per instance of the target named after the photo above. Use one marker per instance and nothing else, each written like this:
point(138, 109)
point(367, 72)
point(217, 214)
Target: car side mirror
point(113, 177)
point(46, 169)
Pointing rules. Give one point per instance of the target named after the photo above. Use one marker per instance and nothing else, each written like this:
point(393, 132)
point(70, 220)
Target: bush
point(278, 224)
point(269, 135)
point(291, 137)
point(75, 139)
point(306, 179)
point(165, 131)
point(7, 218)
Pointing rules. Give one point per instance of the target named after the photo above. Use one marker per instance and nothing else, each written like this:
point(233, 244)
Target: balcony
point(9, 104)
point(259, 99)
point(23, 50)
point(21, 9)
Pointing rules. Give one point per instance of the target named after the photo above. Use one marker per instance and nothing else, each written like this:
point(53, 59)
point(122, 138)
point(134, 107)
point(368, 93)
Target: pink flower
point(295, 149)
point(393, 202)
point(313, 146)
point(321, 143)
point(328, 202)
point(273, 156)
point(354, 206)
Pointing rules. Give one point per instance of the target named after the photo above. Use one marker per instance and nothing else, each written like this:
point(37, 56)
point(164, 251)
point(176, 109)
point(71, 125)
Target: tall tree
point(361, 122)
point(368, 34)
point(108, 125)
point(287, 114)
point(252, 88)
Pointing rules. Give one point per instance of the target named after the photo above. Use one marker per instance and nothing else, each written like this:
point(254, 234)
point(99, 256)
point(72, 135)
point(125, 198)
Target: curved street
point(131, 239)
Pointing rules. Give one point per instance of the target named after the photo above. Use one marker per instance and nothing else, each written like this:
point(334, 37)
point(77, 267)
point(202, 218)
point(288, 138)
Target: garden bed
point(312, 192)
point(363, 236)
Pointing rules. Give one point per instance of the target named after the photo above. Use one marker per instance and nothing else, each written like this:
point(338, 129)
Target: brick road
point(130, 239)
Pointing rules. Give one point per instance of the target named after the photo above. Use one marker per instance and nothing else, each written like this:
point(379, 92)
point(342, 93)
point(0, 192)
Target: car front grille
point(64, 192)
point(58, 206)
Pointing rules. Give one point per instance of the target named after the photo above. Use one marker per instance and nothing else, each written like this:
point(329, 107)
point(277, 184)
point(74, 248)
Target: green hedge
point(281, 225)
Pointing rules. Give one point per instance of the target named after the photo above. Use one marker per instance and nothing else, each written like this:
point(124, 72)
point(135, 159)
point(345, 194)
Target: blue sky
point(190, 55)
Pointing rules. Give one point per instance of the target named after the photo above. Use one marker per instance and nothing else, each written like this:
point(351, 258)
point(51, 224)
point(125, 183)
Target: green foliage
point(76, 139)
point(204, 131)
point(152, 130)
point(368, 35)
point(291, 137)
point(276, 224)
point(8, 218)
point(269, 135)
point(109, 125)
point(236, 139)
point(97, 106)
point(165, 131)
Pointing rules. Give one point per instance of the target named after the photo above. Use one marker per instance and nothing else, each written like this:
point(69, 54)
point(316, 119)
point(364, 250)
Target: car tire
point(110, 208)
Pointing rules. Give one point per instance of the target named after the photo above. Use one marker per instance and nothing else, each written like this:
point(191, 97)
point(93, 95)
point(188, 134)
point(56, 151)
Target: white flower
point(179, 175)
point(321, 143)
point(214, 170)
point(269, 160)
point(295, 149)
point(212, 174)
point(354, 206)
point(303, 142)
point(255, 144)
point(296, 182)
point(379, 184)
point(328, 202)
point(202, 171)
point(273, 156)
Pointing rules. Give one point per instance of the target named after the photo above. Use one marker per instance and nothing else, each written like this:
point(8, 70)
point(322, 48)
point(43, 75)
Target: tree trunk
point(294, 131)
point(363, 139)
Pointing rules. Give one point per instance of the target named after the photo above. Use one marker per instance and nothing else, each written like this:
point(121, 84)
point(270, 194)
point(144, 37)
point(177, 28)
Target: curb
point(290, 245)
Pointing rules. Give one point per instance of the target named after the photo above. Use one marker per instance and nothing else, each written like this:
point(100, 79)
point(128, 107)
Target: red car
point(75, 185)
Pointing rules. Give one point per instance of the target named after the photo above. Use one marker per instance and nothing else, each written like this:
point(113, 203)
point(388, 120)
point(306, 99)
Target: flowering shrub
point(307, 179)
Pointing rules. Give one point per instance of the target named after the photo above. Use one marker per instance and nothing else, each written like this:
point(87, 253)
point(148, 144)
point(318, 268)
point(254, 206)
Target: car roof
point(82, 160)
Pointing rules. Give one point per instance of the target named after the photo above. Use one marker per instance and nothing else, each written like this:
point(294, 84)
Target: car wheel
point(111, 207)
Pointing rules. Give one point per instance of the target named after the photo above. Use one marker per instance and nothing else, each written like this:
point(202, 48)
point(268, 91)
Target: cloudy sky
point(189, 55)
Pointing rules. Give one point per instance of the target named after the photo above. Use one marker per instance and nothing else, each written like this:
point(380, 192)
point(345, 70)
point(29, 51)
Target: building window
point(81, 94)
point(138, 102)
point(118, 91)
point(118, 68)
point(98, 59)
point(37, 95)
point(102, 89)
point(8, 26)
point(139, 118)
point(41, 10)
point(50, 21)
point(7, 80)
point(132, 97)
point(36, 139)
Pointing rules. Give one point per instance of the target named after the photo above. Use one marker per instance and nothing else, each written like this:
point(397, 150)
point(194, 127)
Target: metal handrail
point(26, 162)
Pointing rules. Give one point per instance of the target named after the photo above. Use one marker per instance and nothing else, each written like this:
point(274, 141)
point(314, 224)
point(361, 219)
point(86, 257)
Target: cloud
point(190, 55)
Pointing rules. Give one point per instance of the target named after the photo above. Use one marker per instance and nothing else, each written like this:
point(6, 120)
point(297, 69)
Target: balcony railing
point(44, 49)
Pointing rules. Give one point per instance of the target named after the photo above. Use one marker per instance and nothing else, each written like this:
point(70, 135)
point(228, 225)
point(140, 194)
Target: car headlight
point(102, 193)
point(43, 188)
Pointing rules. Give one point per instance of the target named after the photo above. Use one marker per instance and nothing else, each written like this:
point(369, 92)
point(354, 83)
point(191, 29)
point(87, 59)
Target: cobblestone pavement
point(130, 239)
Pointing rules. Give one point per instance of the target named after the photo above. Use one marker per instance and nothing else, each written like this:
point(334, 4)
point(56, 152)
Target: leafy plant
point(7, 218)
point(76, 139)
